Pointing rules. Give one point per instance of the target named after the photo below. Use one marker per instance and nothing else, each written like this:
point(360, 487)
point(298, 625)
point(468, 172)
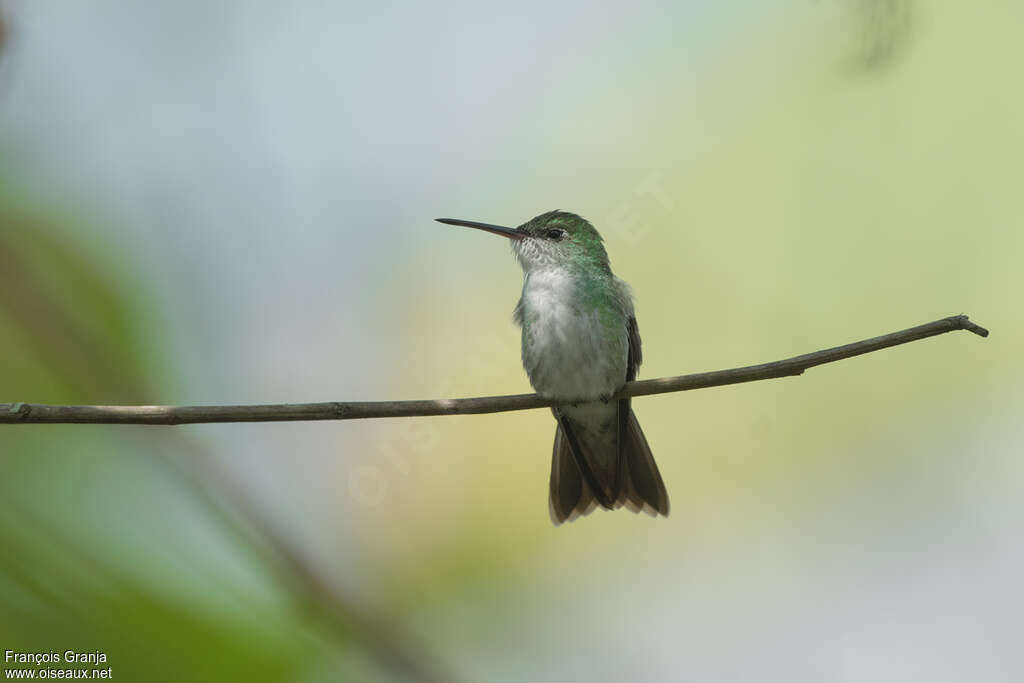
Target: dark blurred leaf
point(66, 327)
point(882, 31)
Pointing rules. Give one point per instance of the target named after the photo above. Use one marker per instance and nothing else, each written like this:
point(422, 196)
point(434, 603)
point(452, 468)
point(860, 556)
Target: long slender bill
point(510, 233)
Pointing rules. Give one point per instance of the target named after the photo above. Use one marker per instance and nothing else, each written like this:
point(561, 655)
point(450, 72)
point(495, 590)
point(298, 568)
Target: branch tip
point(964, 323)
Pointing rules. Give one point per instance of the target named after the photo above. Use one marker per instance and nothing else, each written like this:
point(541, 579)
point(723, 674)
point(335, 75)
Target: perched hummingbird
point(580, 345)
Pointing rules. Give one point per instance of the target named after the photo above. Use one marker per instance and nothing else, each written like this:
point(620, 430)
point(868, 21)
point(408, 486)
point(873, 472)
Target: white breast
point(568, 351)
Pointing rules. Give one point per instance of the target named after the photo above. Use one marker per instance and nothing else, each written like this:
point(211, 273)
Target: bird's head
point(556, 239)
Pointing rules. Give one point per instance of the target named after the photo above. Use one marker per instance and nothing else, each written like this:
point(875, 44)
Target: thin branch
point(35, 413)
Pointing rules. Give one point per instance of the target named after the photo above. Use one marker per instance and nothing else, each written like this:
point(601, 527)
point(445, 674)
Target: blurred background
point(222, 202)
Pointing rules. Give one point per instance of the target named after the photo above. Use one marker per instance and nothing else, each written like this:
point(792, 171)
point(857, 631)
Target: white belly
point(572, 349)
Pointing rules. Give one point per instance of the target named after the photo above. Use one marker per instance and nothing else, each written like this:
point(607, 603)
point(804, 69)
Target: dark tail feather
point(641, 489)
point(638, 483)
point(570, 495)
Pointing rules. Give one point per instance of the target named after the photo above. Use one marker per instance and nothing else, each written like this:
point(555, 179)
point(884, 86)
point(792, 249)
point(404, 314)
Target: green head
point(556, 239)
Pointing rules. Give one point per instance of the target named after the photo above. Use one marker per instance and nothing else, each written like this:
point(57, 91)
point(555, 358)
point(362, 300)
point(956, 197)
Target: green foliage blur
point(90, 558)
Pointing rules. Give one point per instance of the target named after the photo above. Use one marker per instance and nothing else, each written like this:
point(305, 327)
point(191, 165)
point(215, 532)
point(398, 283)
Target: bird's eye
point(555, 234)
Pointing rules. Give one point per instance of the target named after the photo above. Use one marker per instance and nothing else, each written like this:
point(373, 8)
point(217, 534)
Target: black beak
point(511, 233)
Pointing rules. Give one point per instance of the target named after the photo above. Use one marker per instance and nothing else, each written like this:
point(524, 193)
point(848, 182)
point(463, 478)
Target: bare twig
point(35, 413)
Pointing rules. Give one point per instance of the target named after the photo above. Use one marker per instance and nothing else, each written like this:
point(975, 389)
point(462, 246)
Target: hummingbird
point(580, 344)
